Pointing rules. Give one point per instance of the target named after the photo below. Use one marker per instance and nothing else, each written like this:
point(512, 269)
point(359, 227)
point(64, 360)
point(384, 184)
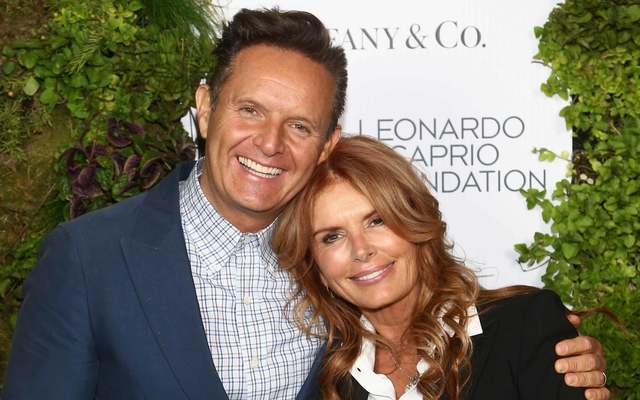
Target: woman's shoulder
point(541, 303)
point(516, 352)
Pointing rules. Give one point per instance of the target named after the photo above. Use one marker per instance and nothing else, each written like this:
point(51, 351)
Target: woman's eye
point(376, 221)
point(330, 238)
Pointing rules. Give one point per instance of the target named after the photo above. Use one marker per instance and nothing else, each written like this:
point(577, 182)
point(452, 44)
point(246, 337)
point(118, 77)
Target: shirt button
point(247, 299)
point(253, 363)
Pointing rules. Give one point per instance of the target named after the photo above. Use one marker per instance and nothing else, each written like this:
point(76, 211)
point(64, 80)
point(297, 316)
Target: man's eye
point(330, 238)
point(300, 127)
point(248, 110)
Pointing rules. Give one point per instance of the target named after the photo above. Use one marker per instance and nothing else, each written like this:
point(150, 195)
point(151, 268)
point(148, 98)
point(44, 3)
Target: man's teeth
point(259, 169)
point(372, 275)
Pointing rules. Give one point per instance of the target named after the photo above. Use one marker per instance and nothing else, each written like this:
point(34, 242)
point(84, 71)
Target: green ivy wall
point(91, 97)
point(593, 251)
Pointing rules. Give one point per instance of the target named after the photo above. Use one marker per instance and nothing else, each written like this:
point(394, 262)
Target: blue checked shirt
point(257, 351)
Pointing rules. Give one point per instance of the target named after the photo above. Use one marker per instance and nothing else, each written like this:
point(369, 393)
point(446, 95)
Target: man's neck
point(246, 221)
point(247, 224)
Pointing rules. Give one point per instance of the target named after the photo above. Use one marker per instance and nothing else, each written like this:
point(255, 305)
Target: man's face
point(265, 134)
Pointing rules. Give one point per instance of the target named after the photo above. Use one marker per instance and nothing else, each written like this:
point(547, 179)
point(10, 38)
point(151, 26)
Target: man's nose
point(270, 139)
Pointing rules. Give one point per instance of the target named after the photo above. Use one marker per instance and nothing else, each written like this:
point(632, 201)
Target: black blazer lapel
point(311, 388)
point(159, 268)
point(353, 392)
point(482, 346)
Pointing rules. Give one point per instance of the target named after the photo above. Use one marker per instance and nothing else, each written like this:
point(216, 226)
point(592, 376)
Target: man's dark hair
point(291, 30)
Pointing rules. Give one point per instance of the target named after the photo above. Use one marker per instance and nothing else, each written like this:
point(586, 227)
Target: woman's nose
point(362, 249)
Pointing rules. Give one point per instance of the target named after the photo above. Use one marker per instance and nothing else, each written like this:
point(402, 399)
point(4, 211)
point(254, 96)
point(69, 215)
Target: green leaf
point(4, 285)
point(78, 109)
point(49, 96)
point(104, 178)
point(57, 42)
point(546, 155)
point(119, 184)
point(42, 72)
point(9, 67)
point(629, 241)
point(31, 86)
point(586, 17)
point(28, 59)
point(538, 31)
point(78, 80)
point(134, 6)
point(25, 44)
point(8, 51)
point(633, 12)
point(569, 250)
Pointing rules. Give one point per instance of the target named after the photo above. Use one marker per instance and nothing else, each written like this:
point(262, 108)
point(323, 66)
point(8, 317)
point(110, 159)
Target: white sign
point(452, 85)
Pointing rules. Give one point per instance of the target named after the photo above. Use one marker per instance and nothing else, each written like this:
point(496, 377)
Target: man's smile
point(259, 169)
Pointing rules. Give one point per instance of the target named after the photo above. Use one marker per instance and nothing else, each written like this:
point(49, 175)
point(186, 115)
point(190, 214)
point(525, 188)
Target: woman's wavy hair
point(446, 287)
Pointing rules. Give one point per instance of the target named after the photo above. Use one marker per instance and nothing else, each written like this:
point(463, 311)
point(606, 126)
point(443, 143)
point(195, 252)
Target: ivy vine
point(111, 80)
point(593, 249)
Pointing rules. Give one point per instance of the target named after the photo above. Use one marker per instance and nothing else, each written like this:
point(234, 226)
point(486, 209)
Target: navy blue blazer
point(514, 356)
point(110, 310)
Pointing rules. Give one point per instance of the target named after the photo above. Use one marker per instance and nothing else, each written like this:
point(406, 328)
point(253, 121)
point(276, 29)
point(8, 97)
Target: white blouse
point(378, 385)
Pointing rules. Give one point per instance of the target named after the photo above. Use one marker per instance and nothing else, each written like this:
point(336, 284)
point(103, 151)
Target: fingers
point(592, 379)
point(590, 362)
point(575, 320)
point(597, 394)
point(578, 345)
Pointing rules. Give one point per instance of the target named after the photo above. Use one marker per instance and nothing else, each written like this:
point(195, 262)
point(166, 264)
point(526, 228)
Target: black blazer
point(514, 356)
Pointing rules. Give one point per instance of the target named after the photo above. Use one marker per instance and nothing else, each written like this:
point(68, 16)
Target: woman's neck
point(393, 321)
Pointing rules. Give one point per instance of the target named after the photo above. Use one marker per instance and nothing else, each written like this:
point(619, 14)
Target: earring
point(333, 296)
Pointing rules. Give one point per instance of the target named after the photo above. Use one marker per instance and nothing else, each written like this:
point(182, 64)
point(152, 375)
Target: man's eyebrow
point(245, 100)
point(249, 100)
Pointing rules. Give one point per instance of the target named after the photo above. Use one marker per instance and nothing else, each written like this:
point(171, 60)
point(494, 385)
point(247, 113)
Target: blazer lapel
point(310, 388)
point(159, 268)
point(482, 346)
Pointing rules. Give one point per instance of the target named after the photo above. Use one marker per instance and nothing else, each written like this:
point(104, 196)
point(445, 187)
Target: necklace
point(413, 379)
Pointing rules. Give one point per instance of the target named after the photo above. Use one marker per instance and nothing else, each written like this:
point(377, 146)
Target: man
point(175, 293)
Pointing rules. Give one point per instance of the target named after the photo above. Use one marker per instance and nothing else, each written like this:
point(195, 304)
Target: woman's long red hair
point(447, 287)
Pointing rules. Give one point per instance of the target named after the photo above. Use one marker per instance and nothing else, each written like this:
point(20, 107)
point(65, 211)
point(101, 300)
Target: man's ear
point(203, 107)
point(330, 143)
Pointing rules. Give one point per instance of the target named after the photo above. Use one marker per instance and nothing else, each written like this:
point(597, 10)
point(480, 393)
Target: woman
point(366, 244)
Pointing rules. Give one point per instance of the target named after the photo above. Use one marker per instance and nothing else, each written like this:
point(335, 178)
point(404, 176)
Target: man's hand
point(583, 363)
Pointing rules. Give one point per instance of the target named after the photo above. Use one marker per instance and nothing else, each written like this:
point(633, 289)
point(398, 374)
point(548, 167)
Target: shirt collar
point(222, 238)
point(266, 251)
point(363, 368)
point(473, 327)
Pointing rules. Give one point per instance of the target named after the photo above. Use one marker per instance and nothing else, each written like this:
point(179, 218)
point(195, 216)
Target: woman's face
point(360, 258)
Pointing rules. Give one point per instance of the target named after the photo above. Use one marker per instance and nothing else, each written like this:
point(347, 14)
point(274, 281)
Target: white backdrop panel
point(452, 86)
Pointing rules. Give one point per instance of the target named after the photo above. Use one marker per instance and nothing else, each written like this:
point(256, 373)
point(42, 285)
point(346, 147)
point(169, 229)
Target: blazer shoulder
point(538, 303)
point(115, 215)
point(520, 339)
point(119, 218)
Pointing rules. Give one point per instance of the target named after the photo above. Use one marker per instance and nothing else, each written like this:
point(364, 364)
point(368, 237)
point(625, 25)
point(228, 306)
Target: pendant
point(413, 383)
